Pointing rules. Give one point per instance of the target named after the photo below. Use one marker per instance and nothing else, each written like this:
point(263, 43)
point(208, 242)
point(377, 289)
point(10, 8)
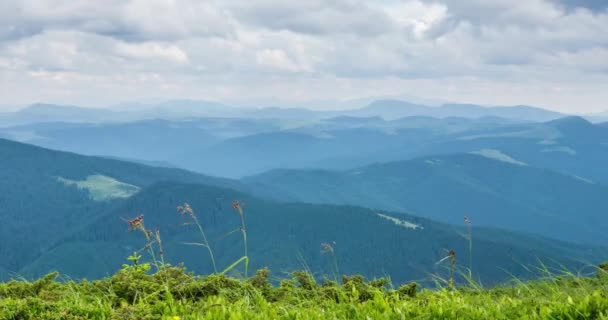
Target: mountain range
point(75, 210)
point(236, 147)
point(182, 109)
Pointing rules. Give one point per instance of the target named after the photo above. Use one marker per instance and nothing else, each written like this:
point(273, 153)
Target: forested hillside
point(489, 186)
point(47, 195)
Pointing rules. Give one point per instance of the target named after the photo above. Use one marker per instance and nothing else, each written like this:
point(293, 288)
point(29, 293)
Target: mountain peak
point(571, 122)
point(391, 103)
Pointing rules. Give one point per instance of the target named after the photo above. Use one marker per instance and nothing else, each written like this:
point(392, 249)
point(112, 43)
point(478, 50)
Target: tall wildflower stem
point(452, 256)
point(236, 205)
point(329, 248)
point(244, 234)
point(186, 209)
point(161, 252)
point(204, 235)
point(137, 223)
point(467, 221)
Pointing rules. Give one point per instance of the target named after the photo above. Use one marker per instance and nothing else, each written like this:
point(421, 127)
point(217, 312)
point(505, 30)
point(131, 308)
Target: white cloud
point(130, 19)
point(315, 17)
point(152, 51)
point(481, 51)
point(277, 59)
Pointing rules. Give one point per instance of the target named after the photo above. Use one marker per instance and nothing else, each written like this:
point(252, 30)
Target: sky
point(547, 53)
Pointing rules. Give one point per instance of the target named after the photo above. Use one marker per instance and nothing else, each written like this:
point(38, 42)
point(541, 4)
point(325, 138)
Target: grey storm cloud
point(547, 52)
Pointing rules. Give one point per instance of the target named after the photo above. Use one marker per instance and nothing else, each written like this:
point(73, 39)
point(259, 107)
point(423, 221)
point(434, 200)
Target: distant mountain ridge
point(394, 109)
point(181, 109)
point(217, 146)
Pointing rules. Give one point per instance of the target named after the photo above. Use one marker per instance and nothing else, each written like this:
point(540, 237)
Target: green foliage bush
point(173, 293)
point(602, 270)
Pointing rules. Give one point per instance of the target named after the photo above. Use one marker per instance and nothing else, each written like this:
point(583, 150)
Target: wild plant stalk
point(186, 209)
point(469, 237)
point(137, 223)
point(236, 205)
point(327, 248)
point(452, 257)
point(161, 252)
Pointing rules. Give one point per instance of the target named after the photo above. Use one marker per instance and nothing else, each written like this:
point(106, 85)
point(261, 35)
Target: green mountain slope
point(66, 212)
point(288, 236)
point(492, 188)
point(45, 195)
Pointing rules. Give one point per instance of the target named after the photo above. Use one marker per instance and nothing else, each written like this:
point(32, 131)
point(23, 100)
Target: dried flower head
point(136, 223)
point(452, 256)
point(185, 209)
point(327, 247)
point(236, 205)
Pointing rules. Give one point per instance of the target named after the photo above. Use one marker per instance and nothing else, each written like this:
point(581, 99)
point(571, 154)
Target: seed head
point(327, 247)
point(452, 256)
point(185, 209)
point(136, 223)
point(236, 205)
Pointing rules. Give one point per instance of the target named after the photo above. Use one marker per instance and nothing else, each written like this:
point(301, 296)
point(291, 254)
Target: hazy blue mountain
point(139, 140)
point(287, 237)
point(169, 110)
point(338, 142)
point(394, 109)
point(192, 108)
point(235, 147)
point(186, 109)
point(569, 145)
point(284, 113)
point(435, 126)
point(144, 141)
point(50, 113)
point(293, 149)
point(491, 187)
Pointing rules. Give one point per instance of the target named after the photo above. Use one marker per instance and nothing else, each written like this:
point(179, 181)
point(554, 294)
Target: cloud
point(130, 19)
point(139, 51)
point(486, 51)
point(316, 17)
point(277, 59)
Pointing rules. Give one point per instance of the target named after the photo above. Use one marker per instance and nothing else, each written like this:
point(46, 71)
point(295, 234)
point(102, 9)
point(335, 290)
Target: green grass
point(102, 188)
point(171, 293)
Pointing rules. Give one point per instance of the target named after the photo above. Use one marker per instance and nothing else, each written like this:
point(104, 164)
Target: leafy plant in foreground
point(135, 293)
